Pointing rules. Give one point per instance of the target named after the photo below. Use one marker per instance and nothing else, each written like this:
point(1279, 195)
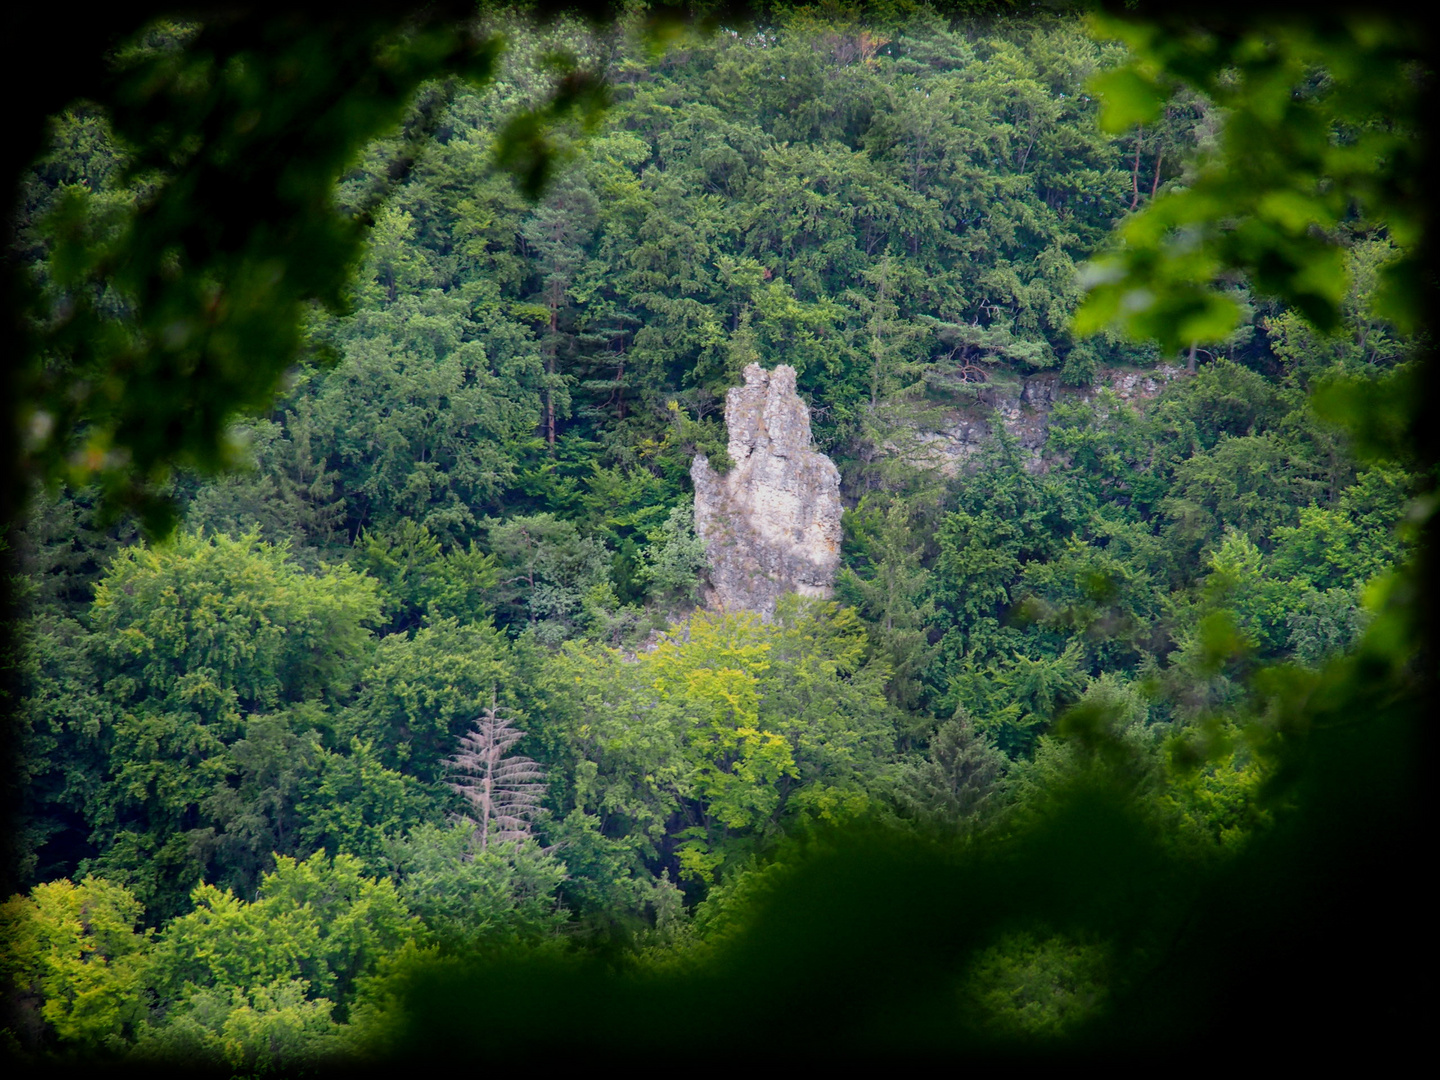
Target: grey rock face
point(1024, 410)
point(772, 524)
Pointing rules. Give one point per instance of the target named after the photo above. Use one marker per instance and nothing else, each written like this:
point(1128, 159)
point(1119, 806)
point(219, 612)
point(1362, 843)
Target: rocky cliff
point(1023, 407)
point(771, 525)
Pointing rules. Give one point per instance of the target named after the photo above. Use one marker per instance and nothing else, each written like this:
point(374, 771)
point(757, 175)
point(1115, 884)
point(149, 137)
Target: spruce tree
point(503, 790)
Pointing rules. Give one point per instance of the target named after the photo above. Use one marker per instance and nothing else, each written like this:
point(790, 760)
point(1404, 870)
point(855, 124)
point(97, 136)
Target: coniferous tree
point(958, 784)
point(503, 790)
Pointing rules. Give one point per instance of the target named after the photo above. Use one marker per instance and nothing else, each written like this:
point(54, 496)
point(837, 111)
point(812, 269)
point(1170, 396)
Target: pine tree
point(504, 791)
point(959, 783)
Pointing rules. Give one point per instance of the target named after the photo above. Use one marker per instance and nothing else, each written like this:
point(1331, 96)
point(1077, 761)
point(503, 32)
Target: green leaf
point(1127, 98)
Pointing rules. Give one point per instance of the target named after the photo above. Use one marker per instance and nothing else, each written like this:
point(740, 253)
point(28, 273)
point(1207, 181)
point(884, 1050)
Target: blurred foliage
point(176, 301)
point(1320, 139)
point(159, 319)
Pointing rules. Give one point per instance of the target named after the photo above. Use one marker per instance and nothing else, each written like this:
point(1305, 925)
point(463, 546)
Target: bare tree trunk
point(550, 406)
point(1135, 171)
point(1190, 364)
point(549, 385)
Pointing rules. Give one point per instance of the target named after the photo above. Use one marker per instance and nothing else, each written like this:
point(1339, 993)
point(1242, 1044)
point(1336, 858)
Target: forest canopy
point(362, 671)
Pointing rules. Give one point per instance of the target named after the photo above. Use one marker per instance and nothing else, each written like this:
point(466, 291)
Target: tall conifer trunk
point(550, 370)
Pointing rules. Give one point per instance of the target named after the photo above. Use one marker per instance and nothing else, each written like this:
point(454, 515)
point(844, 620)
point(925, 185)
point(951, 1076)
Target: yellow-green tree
point(195, 638)
point(715, 740)
point(74, 956)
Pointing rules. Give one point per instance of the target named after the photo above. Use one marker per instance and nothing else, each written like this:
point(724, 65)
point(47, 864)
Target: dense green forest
point(427, 674)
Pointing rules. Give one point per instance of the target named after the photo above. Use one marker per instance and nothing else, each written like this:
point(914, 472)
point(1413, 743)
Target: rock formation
point(771, 525)
point(1024, 407)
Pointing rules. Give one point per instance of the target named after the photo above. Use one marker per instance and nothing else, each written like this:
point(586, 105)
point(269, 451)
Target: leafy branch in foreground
point(1319, 141)
point(160, 317)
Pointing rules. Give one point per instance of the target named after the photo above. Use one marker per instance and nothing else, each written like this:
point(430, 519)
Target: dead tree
point(504, 792)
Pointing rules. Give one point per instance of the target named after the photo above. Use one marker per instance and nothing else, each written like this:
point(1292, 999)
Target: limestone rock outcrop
point(1024, 408)
point(771, 525)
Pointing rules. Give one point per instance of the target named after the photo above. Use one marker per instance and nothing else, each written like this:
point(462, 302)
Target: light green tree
point(193, 636)
point(320, 922)
point(504, 893)
point(76, 955)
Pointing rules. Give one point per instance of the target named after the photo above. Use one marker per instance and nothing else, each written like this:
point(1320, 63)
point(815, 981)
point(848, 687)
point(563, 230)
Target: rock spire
point(771, 525)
